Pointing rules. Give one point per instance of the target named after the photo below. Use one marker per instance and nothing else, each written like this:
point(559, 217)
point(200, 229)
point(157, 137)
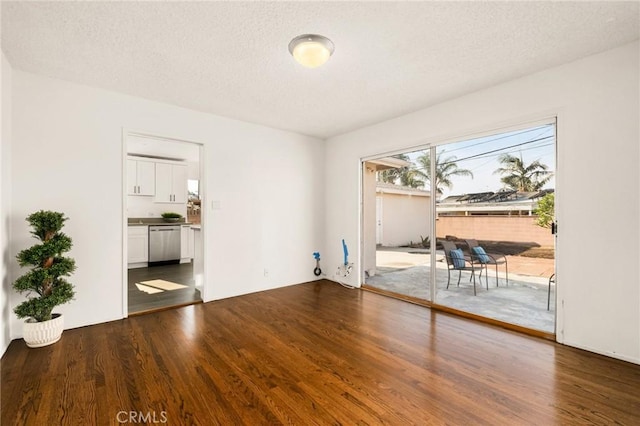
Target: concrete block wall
point(495, 228)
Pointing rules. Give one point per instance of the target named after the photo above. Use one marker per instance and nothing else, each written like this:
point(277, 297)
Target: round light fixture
point(311, 50)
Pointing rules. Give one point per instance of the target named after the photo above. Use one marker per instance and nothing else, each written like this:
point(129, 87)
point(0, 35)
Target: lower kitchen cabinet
point(186, 243)
point(137, 244)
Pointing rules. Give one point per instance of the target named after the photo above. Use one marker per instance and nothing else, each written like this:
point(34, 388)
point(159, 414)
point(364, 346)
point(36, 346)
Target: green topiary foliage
point(48, 266)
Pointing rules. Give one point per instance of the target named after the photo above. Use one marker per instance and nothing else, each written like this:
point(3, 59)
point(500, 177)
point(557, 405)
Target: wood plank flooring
point(139, 301)
point(314, 353)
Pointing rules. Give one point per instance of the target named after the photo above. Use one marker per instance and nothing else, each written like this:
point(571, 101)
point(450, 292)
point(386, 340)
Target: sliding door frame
point(548, 118)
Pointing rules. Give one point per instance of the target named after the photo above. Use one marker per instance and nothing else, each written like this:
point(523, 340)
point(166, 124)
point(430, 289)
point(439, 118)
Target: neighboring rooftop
point(503, 202)
point(495, 197)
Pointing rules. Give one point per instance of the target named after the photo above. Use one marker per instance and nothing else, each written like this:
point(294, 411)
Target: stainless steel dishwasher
point(164, 244)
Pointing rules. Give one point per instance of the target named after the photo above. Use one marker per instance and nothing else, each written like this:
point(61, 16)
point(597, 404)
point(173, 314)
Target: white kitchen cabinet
point(191, 242)
point(141, 177)
point(137, 244)
point(186, 243)
point(171, 183)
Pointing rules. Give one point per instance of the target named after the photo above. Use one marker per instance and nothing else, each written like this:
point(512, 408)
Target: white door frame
point(554, 117)
point(203, 211)
point(379, 229)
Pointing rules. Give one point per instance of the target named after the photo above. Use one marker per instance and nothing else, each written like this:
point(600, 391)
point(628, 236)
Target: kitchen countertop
point(157, 223)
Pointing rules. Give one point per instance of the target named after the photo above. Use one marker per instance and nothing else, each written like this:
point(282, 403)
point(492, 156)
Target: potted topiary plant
point(44, 282)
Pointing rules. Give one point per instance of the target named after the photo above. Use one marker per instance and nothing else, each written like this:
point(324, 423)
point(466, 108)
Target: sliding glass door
point(397, 218)
point(467, 226)
point(494, 211)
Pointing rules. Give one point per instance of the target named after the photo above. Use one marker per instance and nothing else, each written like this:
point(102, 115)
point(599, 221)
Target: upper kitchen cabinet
point(141, 177)
point(171, 183)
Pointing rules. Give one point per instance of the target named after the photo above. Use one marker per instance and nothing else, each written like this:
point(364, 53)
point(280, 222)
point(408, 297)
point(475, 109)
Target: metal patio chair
point(459, 262)
point(489, 258)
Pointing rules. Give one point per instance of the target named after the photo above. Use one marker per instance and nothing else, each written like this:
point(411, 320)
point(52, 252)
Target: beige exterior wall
point(405, 217)
point(495, 228)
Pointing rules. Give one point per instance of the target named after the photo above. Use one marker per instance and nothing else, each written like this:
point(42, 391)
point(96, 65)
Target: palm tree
point(407, 175)
point(445, 170)
point(521, 177)
point(411, 177)
point(392, 175)
point(388, 175)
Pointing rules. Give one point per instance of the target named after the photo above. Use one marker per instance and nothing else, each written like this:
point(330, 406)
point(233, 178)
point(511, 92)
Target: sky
point(480, 156)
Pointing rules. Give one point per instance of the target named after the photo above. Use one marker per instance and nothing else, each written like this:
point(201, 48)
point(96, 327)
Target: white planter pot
point(38, 334)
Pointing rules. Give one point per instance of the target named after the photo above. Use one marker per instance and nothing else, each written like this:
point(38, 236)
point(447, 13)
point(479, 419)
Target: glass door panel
point(397, 217)
point(495, 252)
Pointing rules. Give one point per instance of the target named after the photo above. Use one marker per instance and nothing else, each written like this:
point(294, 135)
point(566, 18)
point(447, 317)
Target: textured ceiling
point(231, 58)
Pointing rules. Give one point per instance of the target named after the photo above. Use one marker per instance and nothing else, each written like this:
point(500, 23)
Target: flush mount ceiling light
point(311, 50)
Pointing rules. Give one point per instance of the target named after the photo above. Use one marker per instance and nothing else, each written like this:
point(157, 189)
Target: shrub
point(48, 267)
point(545, 211)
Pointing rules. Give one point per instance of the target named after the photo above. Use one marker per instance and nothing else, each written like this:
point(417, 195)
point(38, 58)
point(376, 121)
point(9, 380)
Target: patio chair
point(457, 261)
point(488, 258)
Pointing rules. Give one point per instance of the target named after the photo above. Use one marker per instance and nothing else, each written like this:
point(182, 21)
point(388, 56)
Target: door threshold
point(163, 308)
point(410, 299)
point(436, 307)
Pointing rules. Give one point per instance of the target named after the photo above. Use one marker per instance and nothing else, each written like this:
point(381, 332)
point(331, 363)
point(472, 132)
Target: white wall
point(5, 203)
point(597, 103)
point(67, 156)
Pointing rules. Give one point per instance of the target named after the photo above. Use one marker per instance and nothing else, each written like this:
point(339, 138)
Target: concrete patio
point(523, 301)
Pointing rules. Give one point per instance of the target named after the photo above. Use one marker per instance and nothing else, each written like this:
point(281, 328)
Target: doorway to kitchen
point(163, 198)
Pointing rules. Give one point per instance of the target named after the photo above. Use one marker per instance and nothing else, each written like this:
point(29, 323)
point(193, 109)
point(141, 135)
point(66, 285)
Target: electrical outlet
point(344, 270)
point(266, 273)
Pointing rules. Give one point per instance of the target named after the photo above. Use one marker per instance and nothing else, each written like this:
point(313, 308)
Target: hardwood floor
point(315, 353)
point(139, 301)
